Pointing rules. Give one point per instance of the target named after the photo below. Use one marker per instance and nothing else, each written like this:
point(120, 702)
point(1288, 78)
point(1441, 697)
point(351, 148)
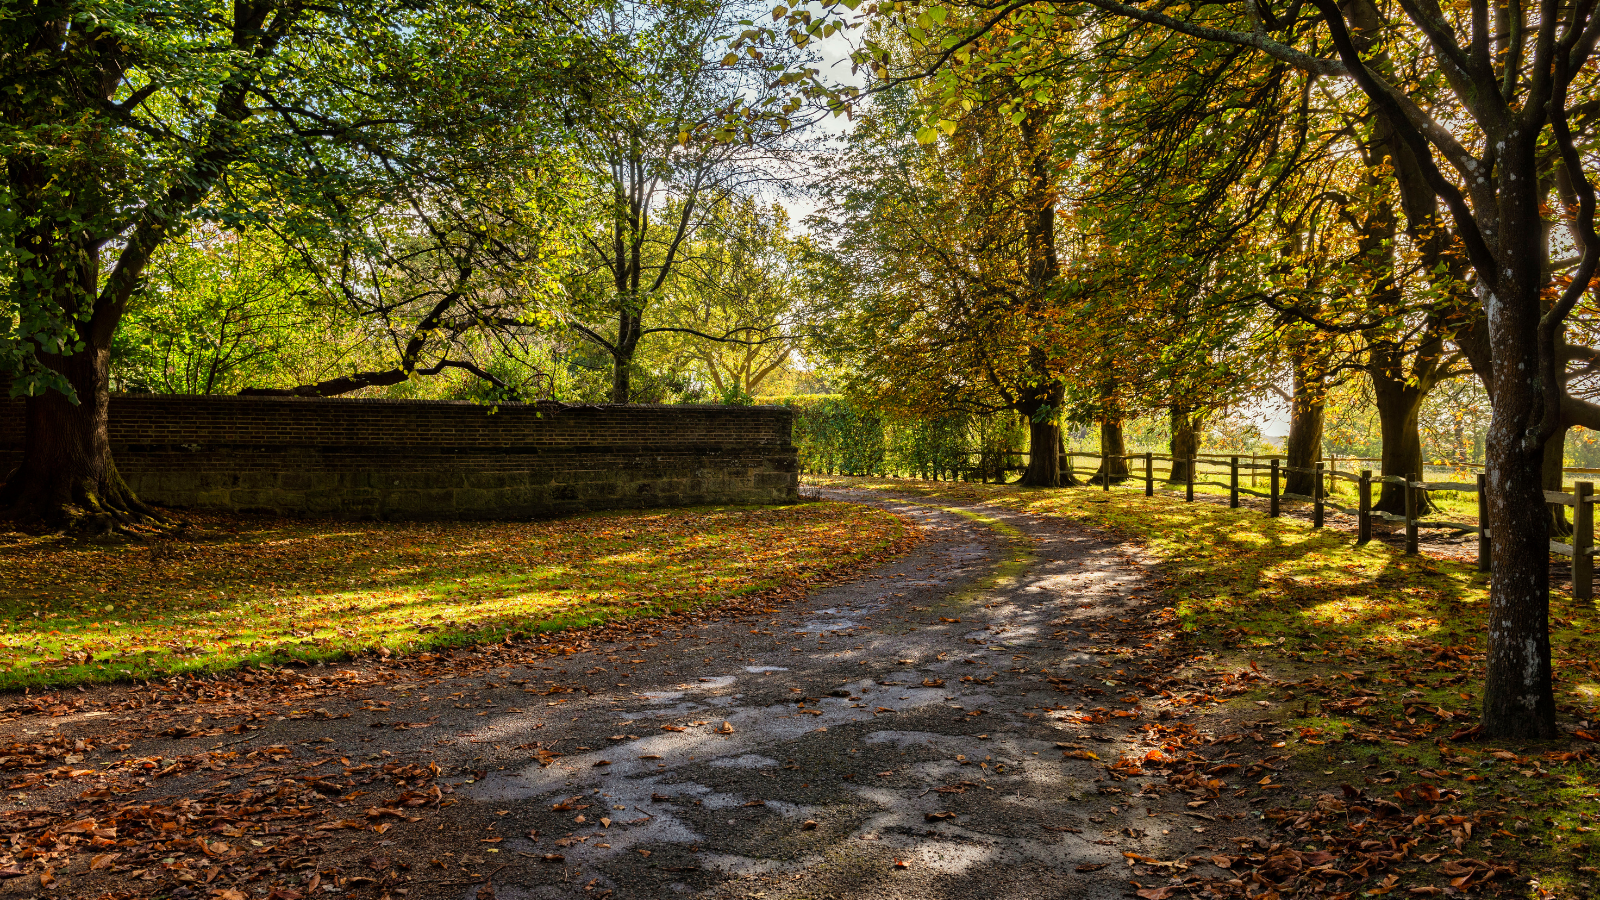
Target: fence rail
point(1582, 499)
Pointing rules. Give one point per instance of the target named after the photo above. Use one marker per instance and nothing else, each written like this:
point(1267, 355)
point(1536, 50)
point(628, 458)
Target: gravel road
point(907, 734)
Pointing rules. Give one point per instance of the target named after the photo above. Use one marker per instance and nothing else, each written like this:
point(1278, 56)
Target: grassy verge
point(262, 590)
point(1377, 665)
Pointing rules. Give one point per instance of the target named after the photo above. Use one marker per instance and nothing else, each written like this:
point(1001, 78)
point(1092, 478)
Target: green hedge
point(839, 437)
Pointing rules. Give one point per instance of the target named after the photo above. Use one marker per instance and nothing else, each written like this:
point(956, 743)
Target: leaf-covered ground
point(238, 590)
point(1374, 664)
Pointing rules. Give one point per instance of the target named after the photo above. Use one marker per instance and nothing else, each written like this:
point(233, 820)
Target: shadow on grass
point(1377, 660)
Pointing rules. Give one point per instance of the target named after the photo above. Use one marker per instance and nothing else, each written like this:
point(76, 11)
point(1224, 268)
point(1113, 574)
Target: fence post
point(1273, 507)
point(1233, 482)
point(1188, 483)
point(1105, 471)
point(1316, 498)
point(1149, 474)
point(1253, 459)
point(1411, 515)
point(1483, 523)
point(1583, 541)
point(1069, 478)
point(1364, 508)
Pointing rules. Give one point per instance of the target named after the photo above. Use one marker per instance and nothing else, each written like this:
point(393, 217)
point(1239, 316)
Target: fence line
point(1582, 498)
point(995, 463)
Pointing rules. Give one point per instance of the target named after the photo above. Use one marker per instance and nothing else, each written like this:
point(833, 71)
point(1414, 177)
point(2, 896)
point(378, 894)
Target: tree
point(741, 275)
point(222, 310)
point(944, 268)
point(1489, 90)
point(123, 125)
point(678, 138)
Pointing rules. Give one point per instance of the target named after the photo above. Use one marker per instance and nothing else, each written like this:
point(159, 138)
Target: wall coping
point(386, 401)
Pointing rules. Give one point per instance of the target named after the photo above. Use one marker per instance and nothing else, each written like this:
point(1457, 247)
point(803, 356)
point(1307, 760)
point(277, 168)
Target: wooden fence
point(1581, 499)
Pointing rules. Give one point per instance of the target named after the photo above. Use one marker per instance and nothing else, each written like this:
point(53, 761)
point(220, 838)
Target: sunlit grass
point(1315, 609)
point(269, 590)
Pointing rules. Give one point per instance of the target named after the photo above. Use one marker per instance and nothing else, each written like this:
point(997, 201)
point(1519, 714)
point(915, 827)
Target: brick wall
point(425, 459)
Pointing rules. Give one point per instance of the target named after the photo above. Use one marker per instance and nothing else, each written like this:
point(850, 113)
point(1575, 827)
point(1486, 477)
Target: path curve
point(905, 735)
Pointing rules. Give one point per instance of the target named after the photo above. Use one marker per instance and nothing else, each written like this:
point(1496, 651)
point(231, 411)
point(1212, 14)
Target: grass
point(1377, 660)
point(267, 590)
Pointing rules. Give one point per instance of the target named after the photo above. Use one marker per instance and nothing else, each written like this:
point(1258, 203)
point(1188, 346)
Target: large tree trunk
point(1399, 405)
point(1113, 451)
point(68, 478)
point(1044, 454)
point(1518, 696)
point(1042, 408)
point(1183, 442)
point(1303, 447)
point(1518, 699)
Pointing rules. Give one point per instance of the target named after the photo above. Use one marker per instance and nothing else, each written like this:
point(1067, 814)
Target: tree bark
point(1399, 405)
point(1555, 452)
point(1113, 451)
point(1042, 407)
point(1044, 455)
point(1518, 700)
point(629, 325)
point(1303, 447)
point(1184, 441)
point(68, 478)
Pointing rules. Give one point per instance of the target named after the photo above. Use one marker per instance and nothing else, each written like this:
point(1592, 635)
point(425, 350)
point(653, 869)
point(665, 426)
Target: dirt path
point(941, 727)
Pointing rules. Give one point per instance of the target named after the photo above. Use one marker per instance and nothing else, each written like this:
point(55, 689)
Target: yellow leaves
point(267, 589)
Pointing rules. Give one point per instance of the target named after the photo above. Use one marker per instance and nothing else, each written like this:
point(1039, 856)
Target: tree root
point(81, 508)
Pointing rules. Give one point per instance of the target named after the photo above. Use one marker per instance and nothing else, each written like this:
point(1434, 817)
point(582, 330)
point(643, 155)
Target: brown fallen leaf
point(937, 816)
point(808, 825)
point(1091, 867)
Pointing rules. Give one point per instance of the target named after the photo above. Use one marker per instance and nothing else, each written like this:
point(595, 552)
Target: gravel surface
point(902, 735)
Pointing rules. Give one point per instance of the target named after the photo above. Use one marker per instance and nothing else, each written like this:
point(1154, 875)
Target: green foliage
point(221, 311)
point(838, 436)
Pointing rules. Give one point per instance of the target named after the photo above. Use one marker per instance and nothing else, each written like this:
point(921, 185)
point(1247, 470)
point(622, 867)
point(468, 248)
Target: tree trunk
point(1044, 454)
point(1184, 441)
point(1113, 451)
point(1399, 405)
point(1555, 453)
point(619, 379)
point(1518, 698)
point(1303, 447)
point(629, 325)
point(68, 478)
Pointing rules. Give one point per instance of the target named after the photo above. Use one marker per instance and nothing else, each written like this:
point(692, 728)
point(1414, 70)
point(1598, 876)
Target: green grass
point(1377, 659)
point(266, 590)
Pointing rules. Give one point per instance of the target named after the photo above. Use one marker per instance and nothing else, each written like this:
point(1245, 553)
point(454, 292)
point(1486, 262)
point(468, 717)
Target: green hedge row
point(839, 437)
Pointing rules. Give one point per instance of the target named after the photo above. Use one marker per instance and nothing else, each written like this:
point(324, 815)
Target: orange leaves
point(235, 590)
